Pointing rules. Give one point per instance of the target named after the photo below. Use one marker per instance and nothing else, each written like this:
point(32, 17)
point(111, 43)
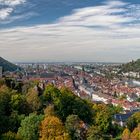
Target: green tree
point(94, 133)
point(15, 121)
point(4, 100)
point(104, 121)
point(69, 104)
point(133, 121)
point(103, 117)
point(30, 126)
point(18, 103)
point(51, 93)
point(138, 100)
point(2, 82)
point(115, 109)
point(10, 136)
point(72, 125)
point(5, 110)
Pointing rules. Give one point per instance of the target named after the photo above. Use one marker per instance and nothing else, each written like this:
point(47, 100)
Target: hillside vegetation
point(7, 66)
point(52, 113)
point(131, 66)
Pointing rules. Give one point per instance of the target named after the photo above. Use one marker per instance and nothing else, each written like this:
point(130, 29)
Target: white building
point(96, 97)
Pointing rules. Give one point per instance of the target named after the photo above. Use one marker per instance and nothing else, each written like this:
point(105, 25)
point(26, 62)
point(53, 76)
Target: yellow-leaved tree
point(126, 134)
point(135, 135)
point(51, 128)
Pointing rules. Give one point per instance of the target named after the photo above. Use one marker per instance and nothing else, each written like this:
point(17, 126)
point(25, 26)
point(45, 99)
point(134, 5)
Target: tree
point(2, 82)
point(103, 117)
point(73, 127)
point(51, 128)
point(5, 110)
point(104, 121)
point(10, 136)
point(94, 133)
point(18, 86)
point(69, 104)
point(115, 109)
point(18, 103)
point(78, 106)
point(100, 107)
point(49, 111)
point(135, 135)
point(4, 100)
point(15, 121)
point(133, 121)
point(33, 100)
point(30, 126)
point(126, 134)
point(51, 93)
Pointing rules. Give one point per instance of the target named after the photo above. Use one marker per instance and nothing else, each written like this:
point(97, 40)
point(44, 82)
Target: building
point(0, 72)
point(121, 119)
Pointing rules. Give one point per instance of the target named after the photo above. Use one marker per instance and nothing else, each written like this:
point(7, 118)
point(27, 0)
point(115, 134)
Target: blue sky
point(70, 30)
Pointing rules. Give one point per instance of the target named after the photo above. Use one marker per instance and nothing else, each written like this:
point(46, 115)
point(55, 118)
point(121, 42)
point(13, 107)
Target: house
point(121, 119)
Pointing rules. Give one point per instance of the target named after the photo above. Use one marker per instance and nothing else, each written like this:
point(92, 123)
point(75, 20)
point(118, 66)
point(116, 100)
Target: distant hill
point(131, 66)
point(8, 66)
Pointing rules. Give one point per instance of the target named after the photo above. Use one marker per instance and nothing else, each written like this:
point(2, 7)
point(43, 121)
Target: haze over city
point(69, 30)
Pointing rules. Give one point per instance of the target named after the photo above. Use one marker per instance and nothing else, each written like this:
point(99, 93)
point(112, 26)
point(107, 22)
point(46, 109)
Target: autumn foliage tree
point(51, 128)
point(29, 115)
point(135, 135)
point(49, 110)
point(33, 100)
point(126, 134)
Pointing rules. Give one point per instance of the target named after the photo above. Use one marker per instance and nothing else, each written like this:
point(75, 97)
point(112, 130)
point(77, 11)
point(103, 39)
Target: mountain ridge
point(7, 66)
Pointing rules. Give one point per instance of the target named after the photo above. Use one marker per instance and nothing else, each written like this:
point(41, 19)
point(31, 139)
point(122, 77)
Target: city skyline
point(70, 31)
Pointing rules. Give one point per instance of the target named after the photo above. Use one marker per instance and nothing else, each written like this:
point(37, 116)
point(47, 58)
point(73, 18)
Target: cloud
point(107, 15)
point(115, 3)
point(9, 7)
point(12, 2)
point(19, 17)
point(108, 32)
point(4, 13)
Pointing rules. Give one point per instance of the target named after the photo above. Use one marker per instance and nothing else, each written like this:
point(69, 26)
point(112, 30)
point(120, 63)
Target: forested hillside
point(29, 112)
point(7, 66)
point(131, 66)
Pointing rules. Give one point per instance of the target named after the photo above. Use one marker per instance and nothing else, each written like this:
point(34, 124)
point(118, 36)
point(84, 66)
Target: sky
point(70, 30)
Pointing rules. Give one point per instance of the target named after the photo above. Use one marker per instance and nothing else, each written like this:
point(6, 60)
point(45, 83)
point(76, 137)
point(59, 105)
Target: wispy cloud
point(107, 32)
point(111, 14)
point(12, 2)
point(8, 8)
